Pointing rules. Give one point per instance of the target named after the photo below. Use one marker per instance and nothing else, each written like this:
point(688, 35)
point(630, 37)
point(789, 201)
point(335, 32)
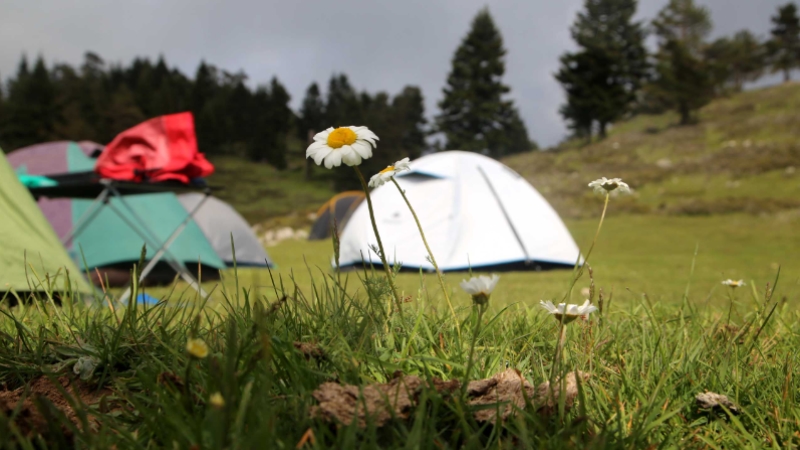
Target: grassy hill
point(263, 194)
point(739, 157)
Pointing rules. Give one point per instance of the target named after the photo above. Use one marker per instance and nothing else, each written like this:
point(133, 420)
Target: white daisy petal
point(480, 285)
point(362, 148)
point(375, 180)
point(320, 155)
point(402, 165)
point(334, 159)
point(366, 133)
point(605, 185)
point(323, 135)
point(568, 312)
point(351, 158)
point(315, 147)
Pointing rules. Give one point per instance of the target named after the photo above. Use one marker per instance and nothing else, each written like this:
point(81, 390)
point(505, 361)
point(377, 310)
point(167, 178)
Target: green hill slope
point(263, 194)
point(740, 157)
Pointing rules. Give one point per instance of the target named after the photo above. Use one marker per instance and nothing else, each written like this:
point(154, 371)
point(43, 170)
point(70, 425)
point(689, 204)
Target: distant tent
point(219, 220)
point(108, 243)
point(29, 244)
point(341, 207)
point(475, 212)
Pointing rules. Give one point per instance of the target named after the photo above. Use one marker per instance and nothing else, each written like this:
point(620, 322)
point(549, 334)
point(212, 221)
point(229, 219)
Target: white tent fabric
point(475, 212)
point(219, 220)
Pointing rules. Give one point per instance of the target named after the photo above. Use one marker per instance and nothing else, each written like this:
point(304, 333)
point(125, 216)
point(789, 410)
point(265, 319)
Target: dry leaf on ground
point(712, 400)
point(381, 402)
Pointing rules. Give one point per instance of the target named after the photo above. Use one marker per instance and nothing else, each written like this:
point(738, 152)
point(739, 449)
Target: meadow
point(304, 357)
point(125, 378)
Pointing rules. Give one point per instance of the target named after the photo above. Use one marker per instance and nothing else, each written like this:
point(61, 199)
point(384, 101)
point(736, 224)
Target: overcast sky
point(379, 44)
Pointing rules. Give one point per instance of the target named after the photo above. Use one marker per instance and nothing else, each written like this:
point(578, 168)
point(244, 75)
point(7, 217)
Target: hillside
point(740, 157)
point(263, 194)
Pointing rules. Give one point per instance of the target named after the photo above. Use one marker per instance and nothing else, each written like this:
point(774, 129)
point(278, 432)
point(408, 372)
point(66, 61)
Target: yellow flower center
point(387, 169)
point(340, 137)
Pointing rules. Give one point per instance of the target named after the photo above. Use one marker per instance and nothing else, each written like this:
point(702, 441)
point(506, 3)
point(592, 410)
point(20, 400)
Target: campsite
point(227, 259)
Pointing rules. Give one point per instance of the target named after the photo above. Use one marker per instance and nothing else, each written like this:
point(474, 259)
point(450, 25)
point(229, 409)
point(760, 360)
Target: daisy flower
point(480, 288)
point(572, 311)
point(606, 185)
point(350, 145)
point(734, 283)
point(388, 173)
point(197, 348)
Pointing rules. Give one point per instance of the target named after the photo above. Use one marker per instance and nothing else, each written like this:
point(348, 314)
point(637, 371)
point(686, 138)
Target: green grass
point(261, 193)
point(685, 170)
point(647, 357)
point(662, 336)
point(636, 254)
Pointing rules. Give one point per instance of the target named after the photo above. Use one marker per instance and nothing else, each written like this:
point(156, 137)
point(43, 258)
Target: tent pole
point(163, 249)
point(147, 235)
point(86, 217)
point(505, 214)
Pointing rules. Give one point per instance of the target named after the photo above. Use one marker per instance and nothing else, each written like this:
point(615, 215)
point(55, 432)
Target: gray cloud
point(380, 44)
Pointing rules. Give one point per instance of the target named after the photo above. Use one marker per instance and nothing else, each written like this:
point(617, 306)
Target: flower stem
point(481, 309)
point(382, 255)
point(579, 267)
point(430, 253)
point(730, 308)
point(556, 367)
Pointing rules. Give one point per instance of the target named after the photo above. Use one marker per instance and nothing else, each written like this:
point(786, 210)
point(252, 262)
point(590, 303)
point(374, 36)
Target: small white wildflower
point(388, 173)
point(480, 288)
point(572, 311)
point(608, 185)
point(349, 145)
point(734, 283)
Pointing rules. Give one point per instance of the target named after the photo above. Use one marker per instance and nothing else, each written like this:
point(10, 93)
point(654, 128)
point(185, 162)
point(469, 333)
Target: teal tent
point(108, 244)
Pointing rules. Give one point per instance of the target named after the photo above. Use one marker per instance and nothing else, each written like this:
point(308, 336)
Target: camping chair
point(88, 185)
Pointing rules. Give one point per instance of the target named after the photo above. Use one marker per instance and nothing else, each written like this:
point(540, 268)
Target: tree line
point(96, 100)
point(612, 75)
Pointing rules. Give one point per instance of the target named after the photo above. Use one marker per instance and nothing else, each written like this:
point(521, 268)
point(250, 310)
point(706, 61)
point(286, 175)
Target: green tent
point(27, 241)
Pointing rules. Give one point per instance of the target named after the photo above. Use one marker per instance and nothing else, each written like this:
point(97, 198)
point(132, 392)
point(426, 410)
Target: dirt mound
point(381, 402)
point(24, 404)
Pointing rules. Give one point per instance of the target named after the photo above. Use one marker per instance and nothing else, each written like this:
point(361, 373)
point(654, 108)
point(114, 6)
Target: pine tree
point(204, 92)
point(122, 113)
point(474, 114)
point(602, 79)
point(342, 106)
point(683, 81)
point(312, 113)
point(409, 116)
point(749, 58)
point(734, 61)
point(784, 47)
point(575, 75)
point(31, 109)
point(280, 121)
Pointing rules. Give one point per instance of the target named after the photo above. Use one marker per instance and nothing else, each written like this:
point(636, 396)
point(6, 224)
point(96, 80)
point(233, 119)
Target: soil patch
point(23, 404)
